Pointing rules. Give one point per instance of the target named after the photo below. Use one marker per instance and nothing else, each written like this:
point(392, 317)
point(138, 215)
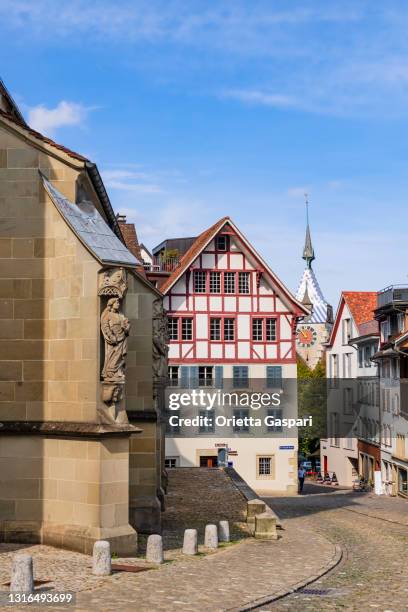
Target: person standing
point(301, 477)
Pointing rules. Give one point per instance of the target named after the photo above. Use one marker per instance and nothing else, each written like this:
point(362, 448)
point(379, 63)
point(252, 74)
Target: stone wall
point(65, 480)
point(145, 459)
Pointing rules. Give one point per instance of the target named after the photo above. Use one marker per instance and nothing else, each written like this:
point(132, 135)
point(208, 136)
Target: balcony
point(160, 264)
point(394, 294)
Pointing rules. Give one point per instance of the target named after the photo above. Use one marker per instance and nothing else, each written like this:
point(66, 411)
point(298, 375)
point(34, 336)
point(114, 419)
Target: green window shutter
point(219, 377)
point(274, 377)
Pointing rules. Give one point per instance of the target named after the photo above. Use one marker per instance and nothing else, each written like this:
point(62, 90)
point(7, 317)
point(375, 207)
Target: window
point(172, 429)
point(222, 243)
point(171, 462)
point(187, 329)
point(215, 282)
point(257, 330)
point(270, 330)
point(367, 355)
point(264, 466)
point(276, 413)
point(240, 377)
point(173, 376)
point(360, 357)
point(241, 426)
point(348, 400)
point(346, 330)
point(229, 329)
point(229, 282)
point(172, 327)
point(274, 377)
point(199, 281)
point(243, 282)
point(205, 376)
point(346, 365)
point(215, 329)
point(208, 425)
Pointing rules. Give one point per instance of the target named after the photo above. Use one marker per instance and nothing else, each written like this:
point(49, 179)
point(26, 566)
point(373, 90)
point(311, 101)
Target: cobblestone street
point(370, 532)
point(373, 534)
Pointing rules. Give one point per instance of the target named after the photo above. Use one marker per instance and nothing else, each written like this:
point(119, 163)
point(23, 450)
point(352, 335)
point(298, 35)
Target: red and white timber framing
point(268, 298)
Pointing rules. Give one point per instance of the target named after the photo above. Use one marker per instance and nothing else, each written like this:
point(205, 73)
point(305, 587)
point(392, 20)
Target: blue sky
point(195, 110)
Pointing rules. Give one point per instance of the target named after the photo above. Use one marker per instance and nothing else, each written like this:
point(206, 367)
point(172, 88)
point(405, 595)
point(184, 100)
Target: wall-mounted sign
point(287, 447)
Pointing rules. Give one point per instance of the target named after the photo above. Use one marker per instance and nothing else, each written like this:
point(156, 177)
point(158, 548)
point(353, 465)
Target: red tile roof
point(130, 237)
point(361, 305)
point(192, 253)
point(41, 137)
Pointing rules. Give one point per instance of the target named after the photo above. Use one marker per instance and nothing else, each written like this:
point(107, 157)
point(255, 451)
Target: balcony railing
point(392, 294)
point(159, 264)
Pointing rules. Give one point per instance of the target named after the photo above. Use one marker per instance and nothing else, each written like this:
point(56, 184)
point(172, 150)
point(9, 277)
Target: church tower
point(314, 330)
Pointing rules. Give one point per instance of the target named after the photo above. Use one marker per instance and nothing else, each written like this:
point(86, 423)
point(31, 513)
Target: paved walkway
point(230, 579)
point(372, 573)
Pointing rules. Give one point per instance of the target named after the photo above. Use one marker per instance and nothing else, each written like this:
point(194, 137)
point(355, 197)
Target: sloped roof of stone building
point(91, 229)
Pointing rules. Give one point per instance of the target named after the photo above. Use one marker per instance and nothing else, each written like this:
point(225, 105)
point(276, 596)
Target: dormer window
point(222, 243)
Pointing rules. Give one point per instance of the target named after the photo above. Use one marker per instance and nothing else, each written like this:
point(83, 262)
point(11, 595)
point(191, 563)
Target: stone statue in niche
point(115, 330)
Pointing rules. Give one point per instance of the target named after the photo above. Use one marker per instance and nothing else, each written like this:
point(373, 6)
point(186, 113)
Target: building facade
point(232, 326)
point(392, 359)
point(80, 436)
point(340, 450)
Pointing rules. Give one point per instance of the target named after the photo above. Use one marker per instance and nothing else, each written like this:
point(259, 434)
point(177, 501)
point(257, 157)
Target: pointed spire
point(308, 252)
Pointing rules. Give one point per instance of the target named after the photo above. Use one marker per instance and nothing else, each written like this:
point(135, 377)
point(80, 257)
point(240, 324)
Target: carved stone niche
point(115, 329)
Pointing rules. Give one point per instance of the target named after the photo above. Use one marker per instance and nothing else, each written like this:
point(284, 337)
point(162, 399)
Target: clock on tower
point(306, 336)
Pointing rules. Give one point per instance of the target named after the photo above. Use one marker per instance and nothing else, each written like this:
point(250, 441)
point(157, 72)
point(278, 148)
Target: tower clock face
point(306, 336)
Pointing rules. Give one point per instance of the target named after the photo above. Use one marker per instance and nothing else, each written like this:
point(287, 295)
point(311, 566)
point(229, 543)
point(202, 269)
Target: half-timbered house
point(231, 321)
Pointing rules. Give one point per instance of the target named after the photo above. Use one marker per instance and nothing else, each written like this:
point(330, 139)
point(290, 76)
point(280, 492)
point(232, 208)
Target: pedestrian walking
point(301, 477)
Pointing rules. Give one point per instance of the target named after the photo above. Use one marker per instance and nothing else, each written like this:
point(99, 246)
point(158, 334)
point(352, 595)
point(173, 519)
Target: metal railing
point(391, 294)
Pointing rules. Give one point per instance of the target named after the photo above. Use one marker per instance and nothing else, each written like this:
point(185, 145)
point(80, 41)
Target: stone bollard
point(211, 536)
point(101, 559)
point(154, 549)
point(224, 532)
point(265, 526)
point(22, 578)
point(254, 507)
point(190, 543)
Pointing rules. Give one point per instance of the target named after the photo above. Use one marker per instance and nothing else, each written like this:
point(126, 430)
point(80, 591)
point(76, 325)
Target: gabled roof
point(204, 239)
point(16, 119)
point(361, 305)
point(90, 228)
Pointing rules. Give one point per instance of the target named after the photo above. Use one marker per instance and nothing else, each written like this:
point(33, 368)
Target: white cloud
point(298, 192)
point(48, 120)
point(131, 181)
point(264, 98)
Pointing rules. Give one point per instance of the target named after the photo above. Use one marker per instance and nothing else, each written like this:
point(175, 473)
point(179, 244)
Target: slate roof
point(308, 284)
point(91, 229)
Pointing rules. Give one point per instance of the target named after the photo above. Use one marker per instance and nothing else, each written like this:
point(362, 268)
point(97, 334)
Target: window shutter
point(193, 377)
point(219, 370)
point(274, 377)
point(184, 377)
